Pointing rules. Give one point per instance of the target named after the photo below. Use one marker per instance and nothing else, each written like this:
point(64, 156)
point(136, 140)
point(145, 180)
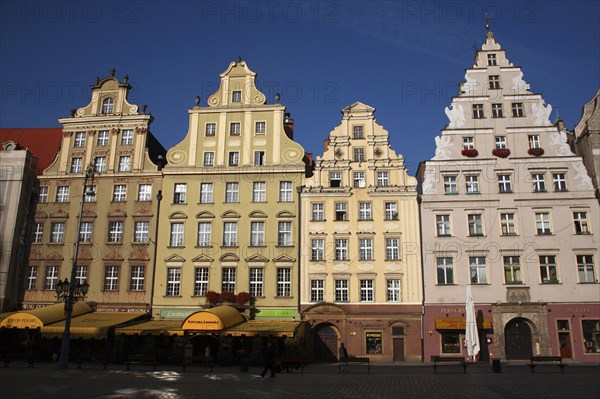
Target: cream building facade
point(508, 208)
point(115, 255)
point(229, 219)
point(361, 276)
point(587, 139)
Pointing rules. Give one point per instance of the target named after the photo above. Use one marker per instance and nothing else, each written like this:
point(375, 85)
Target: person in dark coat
point(269, 358)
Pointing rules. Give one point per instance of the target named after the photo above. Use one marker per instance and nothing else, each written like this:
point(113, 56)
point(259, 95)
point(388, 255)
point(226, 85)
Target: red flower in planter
point(470, 153)
point(212, 297)
point(501, 152)
point(538, 152)
point(227, 296)
point(242, 298)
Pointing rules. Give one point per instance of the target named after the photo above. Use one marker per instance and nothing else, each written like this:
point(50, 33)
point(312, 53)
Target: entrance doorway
point(325, 344)
point(398, 349)
point(517, 336)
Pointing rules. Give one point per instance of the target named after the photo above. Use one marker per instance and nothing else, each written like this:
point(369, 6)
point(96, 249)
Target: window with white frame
point(234, 129)
point(517, 110)
point(501, 142)
point(285, 191)
point(230, 234)
point(43, 195)
point(62, 194)
point(119, 193)
point(365, 249)
point(76, 165)
point(176, 239)
point(335, 179)
point(141, 231)
point(204, 234)
point(102, 138)
point(136, 283)
point(79, 139)
point(57, 232)
point(260, 127)
point(504, 184)
point(491, 60)
point(115, 232)
point(318, 211)
point(341, 210)
point(445, 270)
point(542, 223)
point(478, 111)
point(38, 232)
point(512, 270)
point(257, 234)
point(475, 223)
point(393, 290)
point(358, 154)
point(206, 193)
point(507, 224)
point(173, 281)
point(392, 249)
point(359, 180)
point(236, 96)
point(494, 82)
point(51, 278)
point(342, 291)
point(210, 129)
point(317, 290)
point(284, 282)
point(358, 132)
point(234, 158)
point(560, 182)
point(450, 186)
point(100, 164)
point(31, 278)
point(581, 223)
point(585, 268)
point(478, 270)
point(200, 281)
point(144, 192)
point(469, 143)
point(259, 191)
point(367, 291)
point(364, 211)
point(548, 269)
point(317, 249)
point(285, 234)
point(391, 211)
point(111, 278)
point(341, 249)
point(383, 179)
point(81, 274)
point(228, 279)
point(90, 193)
point(534, 141)
point(85, 233)
point(209, 159)
point(124, 163)
point(107, 106)
point(127, 137)
point(179, 193)
point(472, 184)
point(232, 192)
point(539, 183)
point(443, 225)
point(256, 282)
point(259, 158)
point(497, 111)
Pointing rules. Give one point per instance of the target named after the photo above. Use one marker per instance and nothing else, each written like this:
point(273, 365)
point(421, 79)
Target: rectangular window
point(206, 193)
point(443, 225)
point(468, 143)
point(560, 182)
point(450, 186)
point(228, 279)
point(259, 158)
point(478, 111)
point(119, 193)
point(504, 184)
point(284, 282)
point(62, 194)
point(383, 179)
point(127, 137)
point(317, 249)
point(494, 82)
point(144, 192)
point(43, 195)
point(542, 224)
point(585, 268)
point(341, 291)
point(200, 281)
point(475, 222)
point(179, 193)
point(141, 230)
point(341, 249)
point(81, 273)
point(209, 159)
point(318, 211)
point(90, 193)
point(58, 232)
point(204, 234)
point(259, 191)
point(365, 250)
point(491, 60)
point(38, 232)
point(581, 223)
point(76, 165)
point(539, 184)
point(374, 343)
point(51, 278)
point(173, 281)
point(232, 192)
point(137, 278)
point(111, 278)
point(317, 290)
point(507, 224)
point(497, 111)
point(257, 234)
point(478, 269)
point(260, 127)
point(236, 96)
point(285, 234)
point(364, 211)
point(115, 232)
point(230, 234)
point(234, 158)
point(393, 290)
point(234, 129)
point(102, 138)
point(124, 163)
point(31, 278)
point(210, 129)
point(472, 184)
point(591, 335)
point(391, 211)
point(256, 282)
point(392, 249)
point(100, 164)
point(501, 142)
point(359, 154)
point(534, 141)
point(176, 235)
point(335, 179)
point(512, 270)
point(517, 110)
point(367, 291)
point(79, 139)
point(451, 342)
point(341, 211)
point(445, 271)
point(358, 132)
point(359, 180)
point(85, 233)
point(548, 269)
point(285, 191)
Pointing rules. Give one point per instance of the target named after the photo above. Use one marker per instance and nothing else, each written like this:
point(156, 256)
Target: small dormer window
point(236, 96)
point(491, 58)
point(107, 106)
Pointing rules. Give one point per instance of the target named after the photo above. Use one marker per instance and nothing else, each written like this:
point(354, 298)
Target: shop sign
point(175, 313)
point(113, 307)
point(276, 313)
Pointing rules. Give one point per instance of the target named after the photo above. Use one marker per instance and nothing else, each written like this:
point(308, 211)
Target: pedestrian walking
point(269, 359)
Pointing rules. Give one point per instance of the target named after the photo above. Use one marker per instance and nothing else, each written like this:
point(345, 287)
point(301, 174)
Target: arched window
point(107, 106)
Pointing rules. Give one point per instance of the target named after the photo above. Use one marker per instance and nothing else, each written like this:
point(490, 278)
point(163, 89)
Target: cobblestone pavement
point(317, 382)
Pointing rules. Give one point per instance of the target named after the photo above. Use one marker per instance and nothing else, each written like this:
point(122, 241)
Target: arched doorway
point(325, 344)
point(517, 336)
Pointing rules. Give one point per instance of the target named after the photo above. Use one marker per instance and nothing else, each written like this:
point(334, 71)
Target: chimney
point(288, 125)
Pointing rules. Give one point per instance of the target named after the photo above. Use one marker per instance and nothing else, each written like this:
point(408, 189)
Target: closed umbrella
point(471, 333)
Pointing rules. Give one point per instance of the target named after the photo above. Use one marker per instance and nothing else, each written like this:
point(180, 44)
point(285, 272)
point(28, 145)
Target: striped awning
point(264, 328)
point(97, 324)
point(153, 327)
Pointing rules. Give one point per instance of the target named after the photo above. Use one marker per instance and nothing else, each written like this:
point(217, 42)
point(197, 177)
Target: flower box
point(537, 152)
point(212, 297)
point(242, 297)
point(470, 153)
point(501, 152)
point(228, 297)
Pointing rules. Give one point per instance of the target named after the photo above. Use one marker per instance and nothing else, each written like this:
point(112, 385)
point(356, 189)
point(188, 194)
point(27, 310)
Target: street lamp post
point(68, 290)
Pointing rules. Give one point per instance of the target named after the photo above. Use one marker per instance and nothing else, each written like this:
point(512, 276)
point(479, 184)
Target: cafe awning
point(152, 327)
point(459, 323)
point(5, 315)
point(90, 325)
point(264, 328)
point(38, 318)
point(213, 319)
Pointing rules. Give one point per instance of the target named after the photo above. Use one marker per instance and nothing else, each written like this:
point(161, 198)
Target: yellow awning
point(152, 327)
point(214, 319)
point(264, 328)
point(459, 323)
point(92, 324)
point(38, 318)
point(5, 315)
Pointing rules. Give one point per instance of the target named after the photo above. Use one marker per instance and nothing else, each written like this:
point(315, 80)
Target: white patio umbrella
point(471, 333)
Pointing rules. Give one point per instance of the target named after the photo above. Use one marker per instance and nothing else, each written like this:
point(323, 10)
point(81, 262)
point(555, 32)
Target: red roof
point(43, 143)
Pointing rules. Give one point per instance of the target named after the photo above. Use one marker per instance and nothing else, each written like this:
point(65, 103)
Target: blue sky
point(405, 58)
